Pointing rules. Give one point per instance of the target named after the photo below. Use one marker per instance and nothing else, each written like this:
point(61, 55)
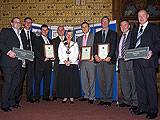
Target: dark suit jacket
point(39, 54)
point(8, 40)
point(24, 37)
point(129, 63)
point(55, 42)
point(111, 38)
point(151, 38)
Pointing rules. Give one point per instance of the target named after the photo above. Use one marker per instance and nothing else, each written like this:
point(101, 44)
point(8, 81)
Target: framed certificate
point(136, 53)
point(23, 54)
point(103, 50)
point(86, 53)
point(49, 51)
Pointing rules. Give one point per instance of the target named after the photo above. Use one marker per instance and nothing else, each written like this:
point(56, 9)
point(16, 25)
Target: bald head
point(143, 16)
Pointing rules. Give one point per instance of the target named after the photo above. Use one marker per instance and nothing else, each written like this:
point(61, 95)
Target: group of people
point(137, 77)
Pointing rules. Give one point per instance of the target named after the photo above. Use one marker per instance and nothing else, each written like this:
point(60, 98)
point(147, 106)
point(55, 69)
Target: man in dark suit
point(146, 35)
point(105, 66)
point(27, 72)
point(42, 65)
point(129, 95)
point(87, 66)
point(56, 41)
point(9, 38)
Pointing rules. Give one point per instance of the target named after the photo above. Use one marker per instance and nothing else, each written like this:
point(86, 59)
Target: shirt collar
point(16, 30)
point(126, 32)
point(144, 25)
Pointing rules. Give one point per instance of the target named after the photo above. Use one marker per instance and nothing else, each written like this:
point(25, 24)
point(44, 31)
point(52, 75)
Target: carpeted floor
point(55, 110)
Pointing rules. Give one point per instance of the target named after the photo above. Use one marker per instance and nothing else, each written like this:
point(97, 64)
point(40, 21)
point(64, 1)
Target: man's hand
point(97, 58)
point(46, 59)
point(149, 54)
point(52, 58)
point(11, 54)
point(107, 59)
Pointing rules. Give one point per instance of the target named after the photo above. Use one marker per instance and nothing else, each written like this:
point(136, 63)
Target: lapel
point(14, 34)
point(81, 40)
point(42, 40)
point(89, 40)
point(128, 40)
point(146, 29)
point(106, 40)
point(100, 36)
point(23, 36)
point(15, 37)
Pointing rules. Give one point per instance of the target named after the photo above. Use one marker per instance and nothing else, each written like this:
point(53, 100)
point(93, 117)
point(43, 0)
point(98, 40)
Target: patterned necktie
point(84, 40)
point(104, 36)
point(123, 46)
point(28, 41)
point(139, 37)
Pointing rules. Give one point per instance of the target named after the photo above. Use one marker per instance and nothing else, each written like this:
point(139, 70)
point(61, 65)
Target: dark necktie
point(28, 41)
point(139, 37)
point(123, 48)
point(103, 36)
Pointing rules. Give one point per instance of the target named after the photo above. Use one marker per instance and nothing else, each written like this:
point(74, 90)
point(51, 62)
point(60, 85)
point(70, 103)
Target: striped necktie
point(139, 37)
point(123, 46)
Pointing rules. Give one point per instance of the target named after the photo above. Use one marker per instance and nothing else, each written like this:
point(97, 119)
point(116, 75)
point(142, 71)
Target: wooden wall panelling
point(57, 9)
point(41, 1)
point(60, 1)
point(33, 7)
point(6, 1)
point(59, 13)
point(22, 1)
point(51, 6)
point(34, 1)
point(42, 7)
point(6, 14)
point(60, 6)
point(25, 7)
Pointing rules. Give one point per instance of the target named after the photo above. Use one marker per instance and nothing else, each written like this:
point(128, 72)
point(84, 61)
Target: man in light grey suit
point(129, 95)
point(87, 66)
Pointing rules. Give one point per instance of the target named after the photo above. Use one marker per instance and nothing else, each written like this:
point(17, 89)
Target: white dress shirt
point(29, 36)
point(120, 44)
point(46, 41)
point(74, 52)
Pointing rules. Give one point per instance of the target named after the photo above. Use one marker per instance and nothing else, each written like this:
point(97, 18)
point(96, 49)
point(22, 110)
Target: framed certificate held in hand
point(24, 54)
point(103, 50)
point(49, 51)
point(136, 53)
point(86, 53)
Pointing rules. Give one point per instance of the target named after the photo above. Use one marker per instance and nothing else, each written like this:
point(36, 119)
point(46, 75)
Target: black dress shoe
point(7, 109)
point(151, 115)
point(64, 101)
point(124, 105)
point(138, 112)
point(54, 99)
point(71, 102)
point(46, 99)
point(83, 99)
point(101, 103)
point(108, 104)
point(90, 101)
point(31, 100)
point(16, 106)
point(37, 100)
point(133, 108)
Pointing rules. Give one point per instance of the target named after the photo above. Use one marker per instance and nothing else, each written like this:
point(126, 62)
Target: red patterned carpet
point(55, 110)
